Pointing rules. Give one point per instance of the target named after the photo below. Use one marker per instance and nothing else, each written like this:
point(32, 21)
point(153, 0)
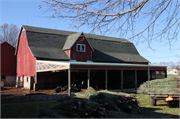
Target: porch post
point(135, 79)
point(69, 82)
point(106, 80)
point(121, 80)
point(148, 74)
point(165, 73)
point(88, 80)
point(35, 84)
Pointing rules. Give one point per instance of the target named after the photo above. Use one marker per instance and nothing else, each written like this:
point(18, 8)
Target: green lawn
point(161, 110)
point(27, 109)
point(176, 76)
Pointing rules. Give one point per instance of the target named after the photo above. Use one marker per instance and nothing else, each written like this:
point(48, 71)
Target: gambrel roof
point(50, 43)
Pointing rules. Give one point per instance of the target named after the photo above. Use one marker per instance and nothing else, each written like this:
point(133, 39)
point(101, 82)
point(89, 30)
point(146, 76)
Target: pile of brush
point(91, 104)
point(166, 85)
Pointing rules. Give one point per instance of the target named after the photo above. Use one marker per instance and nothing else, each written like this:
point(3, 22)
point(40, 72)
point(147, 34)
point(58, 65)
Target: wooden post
point(165, 73)
point(106, 80)
point(88, 80)
point(69, 82)
point(0, 63)
point(35, 85)
point(155, 74)
point(148, 74)
point(121, 80)
point(135, 79)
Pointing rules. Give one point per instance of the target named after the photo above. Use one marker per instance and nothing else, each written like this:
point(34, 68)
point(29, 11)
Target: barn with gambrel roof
point(48, 57)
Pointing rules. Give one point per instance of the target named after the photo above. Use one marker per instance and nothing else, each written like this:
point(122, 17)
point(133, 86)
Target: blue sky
point(27, 12)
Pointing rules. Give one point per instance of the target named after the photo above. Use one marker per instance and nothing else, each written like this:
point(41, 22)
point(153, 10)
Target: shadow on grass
point(4, 96)
point(35, 94)
point(17, 95)
point(6, 88)
point(152, 113)
point(27, 109)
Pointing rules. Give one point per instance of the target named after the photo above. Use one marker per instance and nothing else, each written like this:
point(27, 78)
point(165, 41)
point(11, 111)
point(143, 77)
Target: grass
point(27, 109)
point(24, 109)
point(161, 110)
point(173, 76)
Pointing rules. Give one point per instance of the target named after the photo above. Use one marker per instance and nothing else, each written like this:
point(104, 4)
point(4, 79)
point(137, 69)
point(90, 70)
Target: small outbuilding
point(47, 58)
point(173, 72)
point(8, 64)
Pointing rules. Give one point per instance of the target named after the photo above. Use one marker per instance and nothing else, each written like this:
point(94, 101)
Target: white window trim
point(81, 47)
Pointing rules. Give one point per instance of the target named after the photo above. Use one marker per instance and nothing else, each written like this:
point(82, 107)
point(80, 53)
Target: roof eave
point(18, 40)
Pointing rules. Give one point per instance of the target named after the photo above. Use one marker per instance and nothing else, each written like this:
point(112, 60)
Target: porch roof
point(61, 65)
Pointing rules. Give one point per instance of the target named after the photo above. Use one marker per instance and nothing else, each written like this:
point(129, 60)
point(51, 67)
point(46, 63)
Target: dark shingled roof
point(50, 43)
point(70, 40)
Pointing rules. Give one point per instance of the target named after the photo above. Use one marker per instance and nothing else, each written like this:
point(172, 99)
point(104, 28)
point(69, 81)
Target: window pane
point(82, 47)
point(78, 47)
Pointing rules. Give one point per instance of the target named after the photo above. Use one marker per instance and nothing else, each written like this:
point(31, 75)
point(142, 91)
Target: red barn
point(8, 64)
point(47, 58)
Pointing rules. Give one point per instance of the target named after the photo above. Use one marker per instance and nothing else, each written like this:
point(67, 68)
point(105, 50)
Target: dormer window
point(81, 48)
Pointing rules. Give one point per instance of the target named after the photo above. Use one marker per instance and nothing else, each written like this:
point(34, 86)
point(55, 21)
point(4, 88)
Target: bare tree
point(170, 65)
point(9, 34)
point(157, 19)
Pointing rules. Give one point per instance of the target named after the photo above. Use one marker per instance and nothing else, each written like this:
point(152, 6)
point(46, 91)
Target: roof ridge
point(56, 31)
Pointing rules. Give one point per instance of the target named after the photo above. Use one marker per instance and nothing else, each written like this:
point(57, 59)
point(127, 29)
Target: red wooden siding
point(25, 59)
point(106, 67)
point(67, 52)
point(8, 60)
point(157, 68)
point(146, 63)
point(81, 55)
point(115, 67)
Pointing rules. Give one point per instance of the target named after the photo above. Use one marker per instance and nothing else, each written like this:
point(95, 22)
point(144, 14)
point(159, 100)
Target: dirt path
point(12, 92)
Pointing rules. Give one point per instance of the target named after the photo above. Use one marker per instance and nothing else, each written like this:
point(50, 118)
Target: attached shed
point(8, 64)
point(47, 58)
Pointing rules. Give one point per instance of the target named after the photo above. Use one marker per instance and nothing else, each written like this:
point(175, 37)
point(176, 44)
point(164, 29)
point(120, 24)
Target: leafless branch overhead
point(147, 20)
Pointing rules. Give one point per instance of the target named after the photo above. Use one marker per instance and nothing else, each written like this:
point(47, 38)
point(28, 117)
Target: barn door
point(31, 83)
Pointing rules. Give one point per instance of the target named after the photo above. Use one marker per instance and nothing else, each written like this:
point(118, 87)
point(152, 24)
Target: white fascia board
point(18, 40)
point(114, 64)
point(88, 42)
point(26, 39)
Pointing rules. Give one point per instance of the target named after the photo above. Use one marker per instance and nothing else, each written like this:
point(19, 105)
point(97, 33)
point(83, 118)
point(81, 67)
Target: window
point(81, 48)
point(27, 79)
point(23, 33)
point(3, 77)
point(18, 79)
